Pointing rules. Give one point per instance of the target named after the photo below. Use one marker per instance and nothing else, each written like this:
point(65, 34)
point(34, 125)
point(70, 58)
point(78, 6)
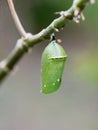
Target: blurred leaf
point(86, 65)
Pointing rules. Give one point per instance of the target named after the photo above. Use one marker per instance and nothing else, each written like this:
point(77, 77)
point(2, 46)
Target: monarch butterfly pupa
point(52, 66)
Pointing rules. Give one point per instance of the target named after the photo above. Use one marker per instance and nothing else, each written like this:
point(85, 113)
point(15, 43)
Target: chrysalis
point(52, 65)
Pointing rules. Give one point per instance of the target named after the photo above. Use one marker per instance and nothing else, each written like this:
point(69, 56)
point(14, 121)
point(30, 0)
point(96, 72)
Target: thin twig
point(16, 19)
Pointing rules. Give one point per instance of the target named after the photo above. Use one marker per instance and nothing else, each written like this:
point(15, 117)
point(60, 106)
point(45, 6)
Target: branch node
point(4, 67)
point(28, 36)
point(64, 13)
point(21, 44)
point(54, 28)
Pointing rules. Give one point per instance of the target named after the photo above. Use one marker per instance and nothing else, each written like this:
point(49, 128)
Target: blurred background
point(75, 105)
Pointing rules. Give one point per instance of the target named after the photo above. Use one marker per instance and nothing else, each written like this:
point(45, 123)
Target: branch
point(29, 40)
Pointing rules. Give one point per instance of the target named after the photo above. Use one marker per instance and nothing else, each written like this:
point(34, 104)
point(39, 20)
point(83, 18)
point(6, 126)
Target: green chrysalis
point(52, 65)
